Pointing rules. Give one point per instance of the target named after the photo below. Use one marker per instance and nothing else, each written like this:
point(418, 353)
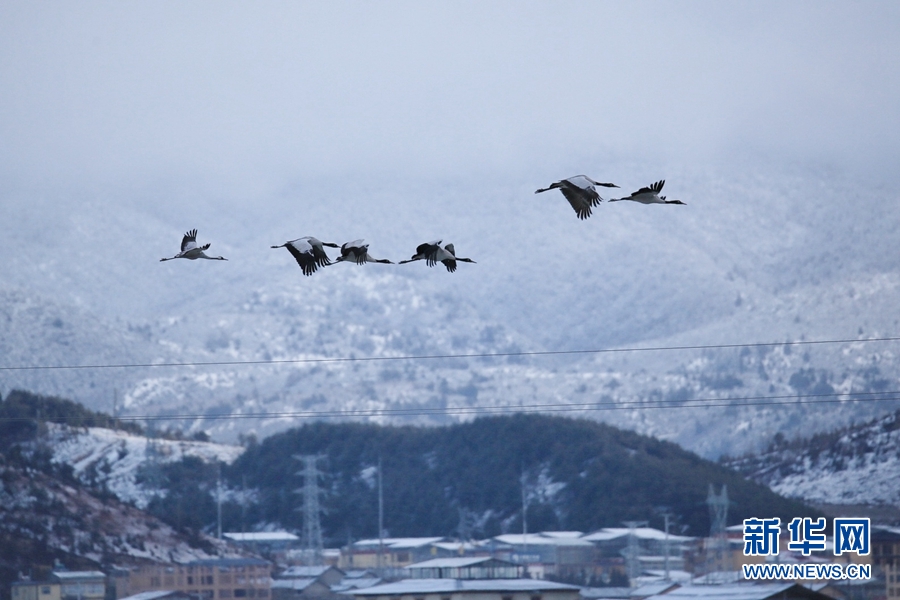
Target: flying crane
point(581, 193)
point(358, 251)
point(190, 250)
point(649, 195)
point(432, 253)
point(309, 253)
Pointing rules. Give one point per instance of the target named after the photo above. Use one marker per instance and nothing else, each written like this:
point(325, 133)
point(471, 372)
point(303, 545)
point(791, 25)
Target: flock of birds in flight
point(309, 252)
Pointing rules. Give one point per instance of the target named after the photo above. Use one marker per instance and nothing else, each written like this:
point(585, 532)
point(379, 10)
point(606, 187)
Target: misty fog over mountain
point(123, 127)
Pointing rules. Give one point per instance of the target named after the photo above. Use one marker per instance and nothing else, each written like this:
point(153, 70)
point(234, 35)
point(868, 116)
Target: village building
point(264, 542)
point(474, 567)
point(356, 579)
point(469, 589)
point(306, 582)
point(162, 595)
point(558, 554)
point(80, 585)
point(654, 549)
point(885, 557)
point(742, 591)
point(63, 585)
point(219, 578)
point(389, 553)
point(606, 593)
point(290, 589)
point(326, 574)
point(35, 590)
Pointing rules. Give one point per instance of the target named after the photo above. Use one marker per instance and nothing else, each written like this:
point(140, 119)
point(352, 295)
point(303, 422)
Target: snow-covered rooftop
point(152, 595)
point(355, 583)
point(600, 593)
point(355, 573)
point(537, 539)
point(75, 575)
point(729, 591)
point(652, 589)
point(304, 571)
point(455, 546)
point(440, 586)
point(399, 543)
point(642, 533)
point(262, 536)
point(562, 534)
point(449, 563)
point(298, 584)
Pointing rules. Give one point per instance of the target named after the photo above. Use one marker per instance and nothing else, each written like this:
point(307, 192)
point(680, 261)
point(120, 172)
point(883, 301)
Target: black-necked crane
point(309, 253)
point(450, 261)
point(358, 251)
point(190, 250)
point(649, 195)
point(581, 193)
point(432, 253)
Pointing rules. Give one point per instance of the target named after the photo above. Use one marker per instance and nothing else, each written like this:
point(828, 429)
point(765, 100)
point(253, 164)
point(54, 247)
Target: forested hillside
point(466, 478)
point(50, 512)
point(463, 480)
point(20, 411)
point(855, 465)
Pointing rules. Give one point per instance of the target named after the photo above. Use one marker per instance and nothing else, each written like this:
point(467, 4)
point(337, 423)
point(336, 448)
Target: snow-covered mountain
point(112, 459)
point(44, 513)
point(772, 254)
point(849, 466)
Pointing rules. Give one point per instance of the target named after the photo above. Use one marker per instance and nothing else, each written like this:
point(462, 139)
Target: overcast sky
point(124, 124)
point(252, 96)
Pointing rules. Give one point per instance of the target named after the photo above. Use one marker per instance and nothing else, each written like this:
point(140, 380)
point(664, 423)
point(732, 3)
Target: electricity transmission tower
point(153, 471)
point(717, 545)
point(312, 528)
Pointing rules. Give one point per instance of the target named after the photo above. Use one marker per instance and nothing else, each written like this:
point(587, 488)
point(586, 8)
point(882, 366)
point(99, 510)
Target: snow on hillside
point(859, 465)
point(52, 514)
point(753, 257)
point(105, 456)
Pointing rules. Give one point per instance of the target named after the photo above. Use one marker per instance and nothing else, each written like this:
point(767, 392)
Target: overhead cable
point(780, 400)
point(443, 356)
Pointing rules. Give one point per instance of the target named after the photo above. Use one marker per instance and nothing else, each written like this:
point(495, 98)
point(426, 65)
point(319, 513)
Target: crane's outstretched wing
point(189, 240)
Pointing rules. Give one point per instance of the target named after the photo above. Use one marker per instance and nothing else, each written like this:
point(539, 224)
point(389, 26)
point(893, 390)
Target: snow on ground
point(113, 457)
point(859, 465)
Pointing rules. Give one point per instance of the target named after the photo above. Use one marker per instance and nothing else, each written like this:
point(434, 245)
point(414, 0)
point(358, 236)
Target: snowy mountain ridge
point(855, 465)
point(752, 258)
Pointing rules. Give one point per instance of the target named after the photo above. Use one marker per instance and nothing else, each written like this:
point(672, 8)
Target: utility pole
point(632, 552)
point(380, 521)
point(219, 500)
point(243, 505)
point(666, 516)
point(312, 527)
point(349, 549)
point(523, 483)
point(115, 413)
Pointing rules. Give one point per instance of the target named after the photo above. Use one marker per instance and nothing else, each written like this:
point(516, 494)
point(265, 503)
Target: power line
point(782, 400)
point(448, 356)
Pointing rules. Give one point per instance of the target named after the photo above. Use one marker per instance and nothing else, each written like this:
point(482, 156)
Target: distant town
point(633, 562)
